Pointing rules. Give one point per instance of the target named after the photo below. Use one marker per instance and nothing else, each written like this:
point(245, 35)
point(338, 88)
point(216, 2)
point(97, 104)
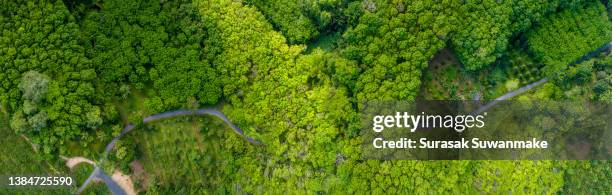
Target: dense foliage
point(301, 21)
point(591, 80)
point(297, 119)
point(392, 43)
point(71, 79)
point(289, 19)
point(478, 31)
point(565, 37)
point(487, 27)
point(47, 82)
point(144, 44)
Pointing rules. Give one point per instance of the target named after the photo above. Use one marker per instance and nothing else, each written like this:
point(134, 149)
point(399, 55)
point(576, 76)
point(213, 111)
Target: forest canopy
point(292, 74)
point(567, 36)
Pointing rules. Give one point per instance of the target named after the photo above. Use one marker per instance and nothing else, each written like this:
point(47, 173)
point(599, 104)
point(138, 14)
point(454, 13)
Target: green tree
point(18, 123)
point(34, 86)
point(92, 118)
point(38, 121)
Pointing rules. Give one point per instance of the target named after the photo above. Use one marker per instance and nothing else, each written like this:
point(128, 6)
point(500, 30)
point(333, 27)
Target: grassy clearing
point(17, 157)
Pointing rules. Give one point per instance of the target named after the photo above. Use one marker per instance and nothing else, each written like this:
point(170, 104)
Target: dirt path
point(124, 181)
point(74, 161)
point(139, 174)
point(119, 183)
point(35, 149)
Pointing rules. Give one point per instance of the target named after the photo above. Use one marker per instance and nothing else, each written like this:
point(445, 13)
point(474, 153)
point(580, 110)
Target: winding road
point(177, 113)
point(112, 185)
point(116, 189)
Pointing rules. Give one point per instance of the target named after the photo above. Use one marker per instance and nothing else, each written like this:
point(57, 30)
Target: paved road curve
point(540, 82)
point(114, 187)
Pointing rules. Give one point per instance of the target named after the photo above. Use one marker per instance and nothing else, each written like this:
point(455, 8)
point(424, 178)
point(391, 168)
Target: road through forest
point(115, 189)
point(540, 82)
